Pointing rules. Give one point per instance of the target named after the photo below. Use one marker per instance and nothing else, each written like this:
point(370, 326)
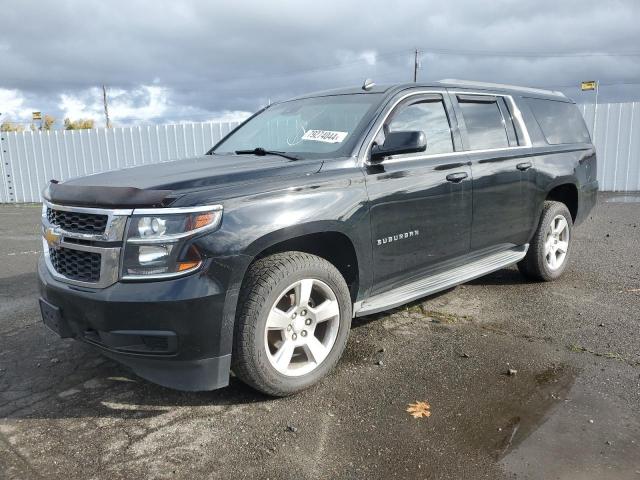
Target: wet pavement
point(571, 410)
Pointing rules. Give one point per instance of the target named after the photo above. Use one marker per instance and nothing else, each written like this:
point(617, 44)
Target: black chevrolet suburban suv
point(254, 257)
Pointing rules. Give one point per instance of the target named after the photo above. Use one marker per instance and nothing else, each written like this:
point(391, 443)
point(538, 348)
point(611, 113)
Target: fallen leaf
point(419, 409)
point(633, 290)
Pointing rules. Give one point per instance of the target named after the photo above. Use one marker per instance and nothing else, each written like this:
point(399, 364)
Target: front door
point(420, 204)
point(503, 178)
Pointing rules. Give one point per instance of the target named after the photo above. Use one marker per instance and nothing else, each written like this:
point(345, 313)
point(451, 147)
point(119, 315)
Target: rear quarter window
point(560, 122)
point(486, 127)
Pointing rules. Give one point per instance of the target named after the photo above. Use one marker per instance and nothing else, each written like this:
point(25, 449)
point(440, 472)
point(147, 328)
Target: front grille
point(76, 222)
point(76, 264)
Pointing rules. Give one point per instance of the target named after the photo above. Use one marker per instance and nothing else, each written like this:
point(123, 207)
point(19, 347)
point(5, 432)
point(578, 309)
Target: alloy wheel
point(302, 327)
point(556, 243)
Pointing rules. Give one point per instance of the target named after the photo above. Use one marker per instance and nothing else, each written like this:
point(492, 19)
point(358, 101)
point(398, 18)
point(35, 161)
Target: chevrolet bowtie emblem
point(52, 237)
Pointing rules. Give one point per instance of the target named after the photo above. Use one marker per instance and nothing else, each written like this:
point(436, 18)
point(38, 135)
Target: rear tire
point(550, 246)
point(293, 322)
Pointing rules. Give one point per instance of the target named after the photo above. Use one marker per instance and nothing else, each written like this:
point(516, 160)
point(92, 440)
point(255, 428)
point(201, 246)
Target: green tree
point(80, 124)
point(11, 127)
point(48, 122)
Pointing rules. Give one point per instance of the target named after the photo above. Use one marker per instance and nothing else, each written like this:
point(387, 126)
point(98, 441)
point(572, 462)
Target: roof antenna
point(368, 85)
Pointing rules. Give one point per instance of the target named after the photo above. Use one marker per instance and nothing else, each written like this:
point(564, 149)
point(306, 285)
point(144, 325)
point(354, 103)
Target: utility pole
point(592, 85)
point(595, 112)
point(415, 67)
point(106, 108)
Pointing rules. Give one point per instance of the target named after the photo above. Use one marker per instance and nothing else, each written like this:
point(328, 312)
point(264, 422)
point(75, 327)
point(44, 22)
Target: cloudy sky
point(184, 60)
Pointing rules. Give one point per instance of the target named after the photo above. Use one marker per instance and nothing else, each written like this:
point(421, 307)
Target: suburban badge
point(399, 236)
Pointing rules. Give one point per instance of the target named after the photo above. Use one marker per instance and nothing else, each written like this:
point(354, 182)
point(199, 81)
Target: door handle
point(457, 177)
point(524, 166)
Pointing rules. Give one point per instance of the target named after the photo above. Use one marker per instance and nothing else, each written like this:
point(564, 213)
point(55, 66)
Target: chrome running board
point(440, 281)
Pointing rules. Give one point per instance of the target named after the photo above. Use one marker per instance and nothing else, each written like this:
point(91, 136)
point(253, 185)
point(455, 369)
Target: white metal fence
point(617, 141)
point(30, 159)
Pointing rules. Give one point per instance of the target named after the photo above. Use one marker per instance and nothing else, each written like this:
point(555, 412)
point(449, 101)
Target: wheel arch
point(325, 239)
point(566, 193)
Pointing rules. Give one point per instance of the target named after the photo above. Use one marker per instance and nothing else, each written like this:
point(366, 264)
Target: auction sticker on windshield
point(326, 136)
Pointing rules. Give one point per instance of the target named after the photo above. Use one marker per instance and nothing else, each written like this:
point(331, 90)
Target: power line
point(487, 53)
point(602, 84)
point(433, 51)
point(430, 51)
point(491, 53)
point(407, 53)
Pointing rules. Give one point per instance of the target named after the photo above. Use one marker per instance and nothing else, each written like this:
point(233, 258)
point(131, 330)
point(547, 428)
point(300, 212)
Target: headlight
point(157, 240)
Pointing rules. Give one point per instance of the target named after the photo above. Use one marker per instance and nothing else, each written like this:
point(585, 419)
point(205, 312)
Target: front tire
point(550, 246)
point(293, 321)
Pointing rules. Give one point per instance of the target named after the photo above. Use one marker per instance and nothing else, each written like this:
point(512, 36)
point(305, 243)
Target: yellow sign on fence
point(36, 115)
point(589, 85)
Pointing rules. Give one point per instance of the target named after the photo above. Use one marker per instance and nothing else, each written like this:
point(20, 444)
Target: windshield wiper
point(261, 152)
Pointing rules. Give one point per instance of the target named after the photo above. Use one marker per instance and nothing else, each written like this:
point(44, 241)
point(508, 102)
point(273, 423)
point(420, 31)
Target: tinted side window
point(429, 116)
point(560, 122)
point(486, 127)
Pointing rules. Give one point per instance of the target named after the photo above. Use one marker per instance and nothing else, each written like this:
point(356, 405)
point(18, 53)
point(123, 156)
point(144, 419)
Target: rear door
point(498, 148)
point(420, 204)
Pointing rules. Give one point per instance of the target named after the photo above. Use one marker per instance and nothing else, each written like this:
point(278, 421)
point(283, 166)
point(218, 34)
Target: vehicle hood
point(159, 184)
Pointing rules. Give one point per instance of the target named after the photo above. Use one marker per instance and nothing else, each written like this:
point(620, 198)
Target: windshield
point(310, 127)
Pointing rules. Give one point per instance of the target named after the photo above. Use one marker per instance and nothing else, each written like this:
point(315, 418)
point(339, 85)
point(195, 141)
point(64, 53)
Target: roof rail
point(472, 84)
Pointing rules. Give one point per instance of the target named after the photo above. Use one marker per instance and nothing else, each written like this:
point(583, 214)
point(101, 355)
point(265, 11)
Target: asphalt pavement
point(523, 380)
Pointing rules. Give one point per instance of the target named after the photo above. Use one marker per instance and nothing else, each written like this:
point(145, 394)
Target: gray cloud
point(214, 57)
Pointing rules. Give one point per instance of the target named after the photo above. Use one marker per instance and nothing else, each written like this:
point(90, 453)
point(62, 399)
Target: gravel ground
point(572, 410)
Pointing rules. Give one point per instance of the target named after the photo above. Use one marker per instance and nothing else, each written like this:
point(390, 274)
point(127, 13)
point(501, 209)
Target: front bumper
point(176, 333)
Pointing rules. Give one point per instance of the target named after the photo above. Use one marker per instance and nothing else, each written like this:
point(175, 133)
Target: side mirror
point(397, 143)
